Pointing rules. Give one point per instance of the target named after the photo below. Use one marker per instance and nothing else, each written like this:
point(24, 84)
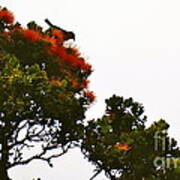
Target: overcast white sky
point(134, 47)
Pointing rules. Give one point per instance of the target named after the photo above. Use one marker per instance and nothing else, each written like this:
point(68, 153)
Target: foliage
point(43, 93)
point(120, 145)
point(43, 99)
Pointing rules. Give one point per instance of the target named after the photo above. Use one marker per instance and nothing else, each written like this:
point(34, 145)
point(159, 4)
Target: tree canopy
point(43, 99)
point(43, 93)
point(122, 146)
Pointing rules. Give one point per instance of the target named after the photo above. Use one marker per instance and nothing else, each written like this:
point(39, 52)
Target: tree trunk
point(3, 172)
point(4, 158)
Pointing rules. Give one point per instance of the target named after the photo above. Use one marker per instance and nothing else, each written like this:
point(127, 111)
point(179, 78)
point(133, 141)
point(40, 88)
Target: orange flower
point(60, 51)
point(56, 82)
point(90, 95)
point(58, 34)
point(74, 82)
point(30, 34)
point(87, 67)
point(123, 147)
point(6, 16)
point(52, 41)
point(73, 51)
point(82, 65)
point(84, 84)
point(72, 60)
point(66, 57)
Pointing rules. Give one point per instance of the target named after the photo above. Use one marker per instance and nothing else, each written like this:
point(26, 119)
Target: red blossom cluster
point(90, 95)
point(6, 16)
point(84, 84)
point(68, 59)
point(71, 57)
point(30, 34)
point(58, 35)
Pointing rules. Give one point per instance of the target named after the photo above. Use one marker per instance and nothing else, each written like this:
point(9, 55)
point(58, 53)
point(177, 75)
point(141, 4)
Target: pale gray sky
point(134, 47)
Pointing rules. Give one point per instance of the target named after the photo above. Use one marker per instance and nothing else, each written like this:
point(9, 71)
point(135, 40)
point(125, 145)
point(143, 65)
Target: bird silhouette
point(66, 34)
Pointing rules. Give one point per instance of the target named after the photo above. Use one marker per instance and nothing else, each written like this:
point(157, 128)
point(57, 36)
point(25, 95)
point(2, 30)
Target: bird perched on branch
point(61, 32)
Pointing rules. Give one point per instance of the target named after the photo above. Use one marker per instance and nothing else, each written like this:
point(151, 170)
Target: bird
point(66, 34)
